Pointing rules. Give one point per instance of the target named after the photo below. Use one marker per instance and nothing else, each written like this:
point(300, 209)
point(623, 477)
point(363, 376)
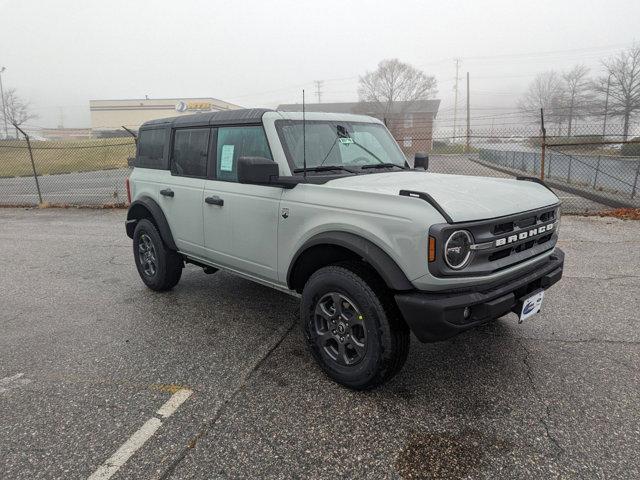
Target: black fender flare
point(139, 208)
point(382, 263)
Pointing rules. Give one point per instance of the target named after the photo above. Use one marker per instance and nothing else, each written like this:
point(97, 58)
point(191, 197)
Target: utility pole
point(544, 144)
point(4, 109)
point(606, 107)
point(455, 99)
point(319, 90)
point(468, 116)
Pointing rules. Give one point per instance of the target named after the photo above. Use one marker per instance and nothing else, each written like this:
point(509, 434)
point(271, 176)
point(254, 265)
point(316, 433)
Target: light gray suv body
point(326, 205)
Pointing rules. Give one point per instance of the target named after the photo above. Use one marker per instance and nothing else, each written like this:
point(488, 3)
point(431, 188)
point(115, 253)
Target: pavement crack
point(168, 472)
point(543, 419)
point(594, 341)
point(612, 277)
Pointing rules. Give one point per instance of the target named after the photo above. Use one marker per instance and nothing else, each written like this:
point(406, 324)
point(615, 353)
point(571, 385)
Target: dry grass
point(623, 213)
point(64, 156)
point(43, 205)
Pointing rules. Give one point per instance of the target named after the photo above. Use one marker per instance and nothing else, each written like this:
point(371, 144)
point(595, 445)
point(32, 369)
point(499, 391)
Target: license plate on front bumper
point(531, 305)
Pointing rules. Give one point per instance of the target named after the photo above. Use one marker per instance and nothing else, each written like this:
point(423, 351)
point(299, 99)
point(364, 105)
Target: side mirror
point(256, 170)
point(421, 160)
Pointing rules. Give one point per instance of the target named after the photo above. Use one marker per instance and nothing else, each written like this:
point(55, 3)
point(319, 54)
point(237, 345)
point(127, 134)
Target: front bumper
point(437, 316)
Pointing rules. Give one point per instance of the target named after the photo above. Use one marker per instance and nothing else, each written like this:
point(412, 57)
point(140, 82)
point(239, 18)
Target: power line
point(548, 52)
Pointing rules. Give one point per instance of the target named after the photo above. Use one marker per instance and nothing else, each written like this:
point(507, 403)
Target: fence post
point(33, 165)
point(635, 181)
point(595, 177)
point(544, 144)
point(569, 171)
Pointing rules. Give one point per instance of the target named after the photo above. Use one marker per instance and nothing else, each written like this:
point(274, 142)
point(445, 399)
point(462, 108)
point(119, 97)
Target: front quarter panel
point(398, 225)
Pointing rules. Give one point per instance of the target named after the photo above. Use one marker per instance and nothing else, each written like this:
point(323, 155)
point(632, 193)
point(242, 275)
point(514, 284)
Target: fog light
point(467, 313)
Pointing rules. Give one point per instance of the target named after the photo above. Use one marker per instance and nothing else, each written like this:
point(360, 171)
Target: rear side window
point(190, 150)
point(151, 148)
point(236, 142)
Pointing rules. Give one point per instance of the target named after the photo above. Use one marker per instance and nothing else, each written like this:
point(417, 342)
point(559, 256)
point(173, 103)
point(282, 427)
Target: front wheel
point(159, 268)
point(352, 326)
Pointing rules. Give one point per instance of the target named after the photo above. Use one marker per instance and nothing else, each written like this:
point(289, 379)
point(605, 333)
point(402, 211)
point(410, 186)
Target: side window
point(236, 142)
point(151, 148)
point(189, 153)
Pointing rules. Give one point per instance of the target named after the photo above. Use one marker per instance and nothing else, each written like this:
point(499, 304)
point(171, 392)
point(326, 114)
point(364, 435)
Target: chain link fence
point(589, 172)
point(87, 172)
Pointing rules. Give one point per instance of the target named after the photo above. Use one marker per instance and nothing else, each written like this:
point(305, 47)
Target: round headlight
point(457, 249)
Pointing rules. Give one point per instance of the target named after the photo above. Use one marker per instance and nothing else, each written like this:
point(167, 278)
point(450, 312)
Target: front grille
point(501, 228)
point(546, 216)
point(517, 233)
point(500, 254)
point(527, 222)
point(544, 239)
point(524, 246)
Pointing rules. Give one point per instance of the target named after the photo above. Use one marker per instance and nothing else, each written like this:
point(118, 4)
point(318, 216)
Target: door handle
point(214, 200)
point(167, 192)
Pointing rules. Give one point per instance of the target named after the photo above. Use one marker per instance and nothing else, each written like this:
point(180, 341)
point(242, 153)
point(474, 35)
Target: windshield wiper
point(323, 168)
point(382, 165)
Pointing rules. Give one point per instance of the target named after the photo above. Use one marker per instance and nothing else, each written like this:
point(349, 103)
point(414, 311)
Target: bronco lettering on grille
point(532, 232)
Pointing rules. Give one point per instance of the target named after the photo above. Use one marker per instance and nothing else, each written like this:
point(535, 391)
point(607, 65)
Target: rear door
point(181, 197)
point(241, 220)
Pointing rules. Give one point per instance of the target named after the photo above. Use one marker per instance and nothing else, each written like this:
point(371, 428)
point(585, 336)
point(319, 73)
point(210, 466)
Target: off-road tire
point(387, 335)
point(168, 263)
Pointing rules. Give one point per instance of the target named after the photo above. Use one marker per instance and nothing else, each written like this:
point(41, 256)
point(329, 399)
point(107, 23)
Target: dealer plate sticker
point(531, 305)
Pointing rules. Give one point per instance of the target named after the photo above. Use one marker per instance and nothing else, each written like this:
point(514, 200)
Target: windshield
point(350, 145)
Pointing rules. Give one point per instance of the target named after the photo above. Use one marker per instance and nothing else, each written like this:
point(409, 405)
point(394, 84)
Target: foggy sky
point(60, 54)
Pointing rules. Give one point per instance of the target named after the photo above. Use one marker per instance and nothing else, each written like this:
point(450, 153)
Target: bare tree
point(546, 91)
point(623, 79)
point(578, 94)
point(17, 110)
point(394, 81)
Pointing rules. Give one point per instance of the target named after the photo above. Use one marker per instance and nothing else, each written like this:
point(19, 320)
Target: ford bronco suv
point(326, 205)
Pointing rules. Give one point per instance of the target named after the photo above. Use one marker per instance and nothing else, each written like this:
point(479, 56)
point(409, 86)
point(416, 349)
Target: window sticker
point(226, 158)
point(346, 140)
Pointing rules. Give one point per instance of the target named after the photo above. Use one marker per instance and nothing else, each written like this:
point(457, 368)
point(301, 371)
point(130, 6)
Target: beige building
point(108, 116)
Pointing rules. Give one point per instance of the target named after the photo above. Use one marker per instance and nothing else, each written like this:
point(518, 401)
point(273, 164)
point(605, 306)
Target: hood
point(464, 198)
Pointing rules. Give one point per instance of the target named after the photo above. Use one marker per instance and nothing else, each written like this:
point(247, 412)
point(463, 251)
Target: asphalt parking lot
point(89, 356)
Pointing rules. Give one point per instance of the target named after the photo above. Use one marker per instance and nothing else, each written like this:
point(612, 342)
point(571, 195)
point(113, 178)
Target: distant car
point(327, 206)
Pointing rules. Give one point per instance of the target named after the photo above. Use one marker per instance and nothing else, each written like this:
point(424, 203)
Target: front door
point(241, 220)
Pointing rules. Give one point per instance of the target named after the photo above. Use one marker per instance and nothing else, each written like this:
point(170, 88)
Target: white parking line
point(174, 402)
point(144, 433)
point(13, 381)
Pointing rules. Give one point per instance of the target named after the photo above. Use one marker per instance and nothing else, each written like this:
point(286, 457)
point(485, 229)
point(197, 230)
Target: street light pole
point(4, 110)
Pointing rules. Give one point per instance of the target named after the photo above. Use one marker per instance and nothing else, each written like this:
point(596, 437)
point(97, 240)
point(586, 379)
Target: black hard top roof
point(224, 117)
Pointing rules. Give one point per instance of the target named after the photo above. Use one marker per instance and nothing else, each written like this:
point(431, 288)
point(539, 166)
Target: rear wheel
point(159, 268)
point(352, 326)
